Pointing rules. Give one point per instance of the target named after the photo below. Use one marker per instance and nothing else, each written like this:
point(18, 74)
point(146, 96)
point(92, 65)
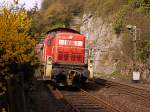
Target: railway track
point(59, 96)
point(127, 88)
point(82, 101)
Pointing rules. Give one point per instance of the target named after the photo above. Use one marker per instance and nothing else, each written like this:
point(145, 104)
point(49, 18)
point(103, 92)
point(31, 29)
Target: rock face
point(75, 23)
point(105, 43)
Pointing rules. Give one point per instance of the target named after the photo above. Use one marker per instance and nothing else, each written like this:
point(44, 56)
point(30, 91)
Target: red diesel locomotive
point(63, 57)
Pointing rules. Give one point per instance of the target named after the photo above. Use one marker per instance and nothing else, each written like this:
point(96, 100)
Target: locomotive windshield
point(71, 42)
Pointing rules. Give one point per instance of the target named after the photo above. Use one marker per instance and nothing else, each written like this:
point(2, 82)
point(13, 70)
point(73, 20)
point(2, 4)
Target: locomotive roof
point(63, 30)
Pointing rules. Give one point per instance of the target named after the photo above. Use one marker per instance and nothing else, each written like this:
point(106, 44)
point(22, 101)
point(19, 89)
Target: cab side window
point(49, 42)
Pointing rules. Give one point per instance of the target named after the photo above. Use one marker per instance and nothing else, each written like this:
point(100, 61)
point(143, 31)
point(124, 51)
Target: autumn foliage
point(15, 42)
point(16, 45)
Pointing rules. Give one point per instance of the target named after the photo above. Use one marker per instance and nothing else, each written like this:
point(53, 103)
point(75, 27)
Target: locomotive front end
point(69, 57)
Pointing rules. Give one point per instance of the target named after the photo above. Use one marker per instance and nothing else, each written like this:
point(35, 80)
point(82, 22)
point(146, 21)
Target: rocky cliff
point(104, 42)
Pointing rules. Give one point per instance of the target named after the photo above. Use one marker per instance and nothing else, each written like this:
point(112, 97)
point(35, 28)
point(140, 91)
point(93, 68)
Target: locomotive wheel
point(86, 73)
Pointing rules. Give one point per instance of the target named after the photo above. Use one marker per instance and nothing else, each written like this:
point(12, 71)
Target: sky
point(28, 3)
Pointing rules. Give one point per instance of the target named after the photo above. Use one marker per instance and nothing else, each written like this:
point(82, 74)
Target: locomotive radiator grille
point(70, 57)
point(66, 56)
point(60, 56)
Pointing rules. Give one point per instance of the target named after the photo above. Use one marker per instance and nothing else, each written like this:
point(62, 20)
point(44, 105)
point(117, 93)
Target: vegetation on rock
point(56, 13)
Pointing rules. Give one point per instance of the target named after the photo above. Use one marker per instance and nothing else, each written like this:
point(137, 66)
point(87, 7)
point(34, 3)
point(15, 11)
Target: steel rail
point(57, 94)
point(138, 91)
point(100, 101)
point(84, 101)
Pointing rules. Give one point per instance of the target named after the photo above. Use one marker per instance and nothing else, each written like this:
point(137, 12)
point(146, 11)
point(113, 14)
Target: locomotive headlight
point(49, 60)
point(91, 65)
point(70, 37)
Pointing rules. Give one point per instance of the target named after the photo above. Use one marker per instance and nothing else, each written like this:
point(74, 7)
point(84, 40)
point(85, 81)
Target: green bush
point(115, 73)
point(119, 22)
point(144, 51)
